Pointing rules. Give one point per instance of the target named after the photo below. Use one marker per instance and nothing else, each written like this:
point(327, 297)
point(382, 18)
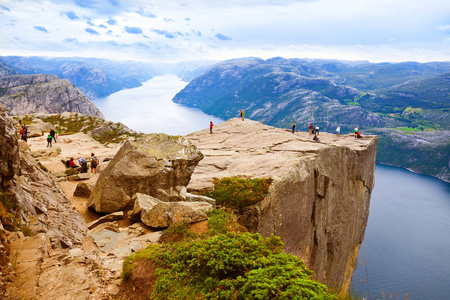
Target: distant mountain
point(429, 93)
point(6, 70)
point(369, 77)
point(98, 78)
point(407, 104)
point(276, 93)
point(28, 94)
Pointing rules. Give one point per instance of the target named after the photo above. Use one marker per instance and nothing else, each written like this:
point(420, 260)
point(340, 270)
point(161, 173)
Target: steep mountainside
point(6, 70)
point(27, 94)
point(275, 94)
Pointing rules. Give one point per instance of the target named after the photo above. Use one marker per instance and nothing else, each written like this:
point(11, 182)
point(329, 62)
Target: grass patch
point(237, 193)
point(408, 129)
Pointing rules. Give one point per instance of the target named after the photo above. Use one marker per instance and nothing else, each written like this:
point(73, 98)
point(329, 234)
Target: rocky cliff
point(26, 94)
point(31, 203)
point(319, 200)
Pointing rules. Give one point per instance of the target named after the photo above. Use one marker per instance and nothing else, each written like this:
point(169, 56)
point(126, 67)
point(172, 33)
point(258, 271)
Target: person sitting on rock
point(316, 138)
point(356, 132)
point(71, 163)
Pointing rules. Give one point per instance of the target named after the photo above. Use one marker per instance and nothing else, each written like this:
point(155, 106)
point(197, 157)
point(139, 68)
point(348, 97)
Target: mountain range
point(409, 101)
point(98, 78)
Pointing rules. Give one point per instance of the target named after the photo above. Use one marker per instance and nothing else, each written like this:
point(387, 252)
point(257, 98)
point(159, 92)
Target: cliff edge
point(319, 200)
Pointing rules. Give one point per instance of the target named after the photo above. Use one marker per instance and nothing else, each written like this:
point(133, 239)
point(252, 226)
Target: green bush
point(231, 266)
point(237, 192)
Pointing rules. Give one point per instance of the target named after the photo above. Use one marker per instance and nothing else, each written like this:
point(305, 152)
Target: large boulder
point(156, 164)
point(83, 190)
point(158, 214)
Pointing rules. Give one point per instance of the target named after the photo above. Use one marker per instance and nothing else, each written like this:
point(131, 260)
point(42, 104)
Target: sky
point(173, 31)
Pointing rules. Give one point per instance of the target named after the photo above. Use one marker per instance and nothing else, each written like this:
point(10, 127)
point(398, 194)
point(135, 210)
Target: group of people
point(51, 136)
point(315, 131)
point(82, 166)
point(242, 114)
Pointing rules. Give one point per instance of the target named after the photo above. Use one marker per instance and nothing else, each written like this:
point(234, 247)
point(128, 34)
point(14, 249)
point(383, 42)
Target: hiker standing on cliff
point(338, 131)
point(293, 127)
point(52, 134)
point(24, 133)
point(83, 164)
point(243, 115)
point(356, 132)
point(311, 128)
point(317, 130)
point(240, 114)
point(94, 163)
point(211, 125)
point(49, 140)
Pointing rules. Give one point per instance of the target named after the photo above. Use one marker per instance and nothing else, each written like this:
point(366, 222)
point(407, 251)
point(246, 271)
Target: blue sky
point(173, 30)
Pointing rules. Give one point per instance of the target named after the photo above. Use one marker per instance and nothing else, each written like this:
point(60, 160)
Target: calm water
point(149, 108)
point(406, 248)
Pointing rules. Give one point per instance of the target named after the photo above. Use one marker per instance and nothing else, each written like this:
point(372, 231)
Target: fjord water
point(149, 108)
point(406, 248)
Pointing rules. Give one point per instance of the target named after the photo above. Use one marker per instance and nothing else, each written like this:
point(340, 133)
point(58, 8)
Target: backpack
point(94, 160)
point(67, 163)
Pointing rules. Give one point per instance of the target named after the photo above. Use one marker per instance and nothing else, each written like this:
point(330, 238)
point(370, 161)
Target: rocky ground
point(91, 270)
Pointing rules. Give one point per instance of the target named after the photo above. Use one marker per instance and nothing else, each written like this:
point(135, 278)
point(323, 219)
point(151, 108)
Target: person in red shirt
point(311, 127)
point(71, 163)
point(210, 126)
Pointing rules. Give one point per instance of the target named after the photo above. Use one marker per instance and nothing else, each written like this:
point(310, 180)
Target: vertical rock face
point(27, 94)
point(9, 148)
point(157, 164)
point(320, 210)
point(319, 200)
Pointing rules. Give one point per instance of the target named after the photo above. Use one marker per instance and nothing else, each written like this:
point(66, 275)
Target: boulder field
point(318, 202)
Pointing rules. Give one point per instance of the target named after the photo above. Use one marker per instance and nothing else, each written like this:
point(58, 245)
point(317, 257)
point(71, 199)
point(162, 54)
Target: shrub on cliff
point(237, 192)
point(229, 266)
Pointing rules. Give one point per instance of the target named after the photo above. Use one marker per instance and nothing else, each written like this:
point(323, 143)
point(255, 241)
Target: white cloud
point(169, 30)
point(444, 28)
